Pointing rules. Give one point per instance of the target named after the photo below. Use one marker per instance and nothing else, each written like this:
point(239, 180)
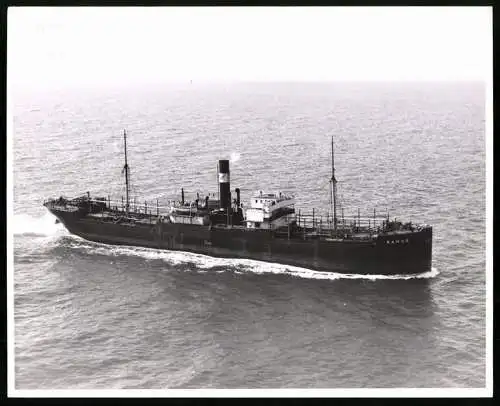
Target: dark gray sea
point(91, 316)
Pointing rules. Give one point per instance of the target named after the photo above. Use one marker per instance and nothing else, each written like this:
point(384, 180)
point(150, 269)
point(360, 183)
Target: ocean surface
point(92, 316)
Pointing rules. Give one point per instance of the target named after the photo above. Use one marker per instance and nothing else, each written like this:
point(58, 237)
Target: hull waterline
point(411, 255)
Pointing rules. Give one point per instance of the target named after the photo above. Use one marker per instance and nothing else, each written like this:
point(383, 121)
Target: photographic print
point(246, 200)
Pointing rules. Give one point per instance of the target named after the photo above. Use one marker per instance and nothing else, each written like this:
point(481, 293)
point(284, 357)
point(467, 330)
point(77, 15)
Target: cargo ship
point(268, 228)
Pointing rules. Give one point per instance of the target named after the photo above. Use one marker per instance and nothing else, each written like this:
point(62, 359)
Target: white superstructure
point(269, 210)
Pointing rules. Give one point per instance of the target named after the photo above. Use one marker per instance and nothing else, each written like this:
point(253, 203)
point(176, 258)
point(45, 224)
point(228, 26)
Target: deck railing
point(351, 223)
point(310, 223)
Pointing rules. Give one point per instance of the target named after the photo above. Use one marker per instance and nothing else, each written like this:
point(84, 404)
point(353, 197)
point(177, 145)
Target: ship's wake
point(203, 263)
point(43, 226)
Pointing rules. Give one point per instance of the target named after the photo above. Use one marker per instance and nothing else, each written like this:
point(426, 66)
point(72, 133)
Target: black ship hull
point(397, 254)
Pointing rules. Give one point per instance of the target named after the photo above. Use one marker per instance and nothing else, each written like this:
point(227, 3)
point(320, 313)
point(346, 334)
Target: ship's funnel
point(224, 186)
point(237, 197)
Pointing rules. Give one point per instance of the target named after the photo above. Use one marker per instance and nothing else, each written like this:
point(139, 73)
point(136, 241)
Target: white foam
point(25, 224)
point(238, 266)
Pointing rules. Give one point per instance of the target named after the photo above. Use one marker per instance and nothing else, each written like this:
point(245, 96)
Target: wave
point(44, 226)
point(204, 263)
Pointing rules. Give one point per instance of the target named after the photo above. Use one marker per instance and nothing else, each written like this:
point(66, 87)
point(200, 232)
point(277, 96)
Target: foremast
point(126, 170)
point(333, 187)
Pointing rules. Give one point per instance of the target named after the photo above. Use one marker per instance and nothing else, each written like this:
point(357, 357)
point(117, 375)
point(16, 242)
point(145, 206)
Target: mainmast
point(126, 169)
point(333, 182)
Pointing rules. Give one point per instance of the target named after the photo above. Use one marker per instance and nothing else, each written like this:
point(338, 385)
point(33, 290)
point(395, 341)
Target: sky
point(84, 46)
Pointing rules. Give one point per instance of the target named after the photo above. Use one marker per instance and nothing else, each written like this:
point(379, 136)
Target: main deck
point(306, 226)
